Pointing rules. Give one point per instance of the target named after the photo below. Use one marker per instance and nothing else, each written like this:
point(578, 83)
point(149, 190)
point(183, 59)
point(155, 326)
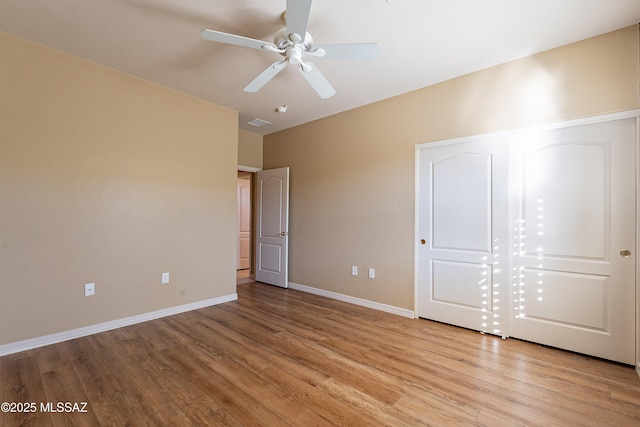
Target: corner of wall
point(250, 149)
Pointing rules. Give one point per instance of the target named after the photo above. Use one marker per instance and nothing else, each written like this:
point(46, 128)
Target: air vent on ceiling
point(258, 122)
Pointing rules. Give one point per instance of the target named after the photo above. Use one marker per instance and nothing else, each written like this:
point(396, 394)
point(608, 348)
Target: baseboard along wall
point(42, 341)
point(353, 300)
point(29, 344)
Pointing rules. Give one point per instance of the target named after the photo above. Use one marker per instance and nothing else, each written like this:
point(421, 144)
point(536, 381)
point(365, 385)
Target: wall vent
point(258, 122)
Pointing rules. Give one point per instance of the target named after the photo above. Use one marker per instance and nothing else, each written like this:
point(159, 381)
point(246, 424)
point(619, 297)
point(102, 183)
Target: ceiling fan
point(294, 43)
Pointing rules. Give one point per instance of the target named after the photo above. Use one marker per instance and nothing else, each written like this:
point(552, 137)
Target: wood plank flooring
point(280, 357)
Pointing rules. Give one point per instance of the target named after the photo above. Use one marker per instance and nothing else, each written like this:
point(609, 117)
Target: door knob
point(626, 253)
point(283, 233)
point(423, 241)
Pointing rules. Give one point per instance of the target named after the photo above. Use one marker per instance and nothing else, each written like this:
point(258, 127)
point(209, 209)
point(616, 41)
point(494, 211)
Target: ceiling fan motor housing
point(284, 40)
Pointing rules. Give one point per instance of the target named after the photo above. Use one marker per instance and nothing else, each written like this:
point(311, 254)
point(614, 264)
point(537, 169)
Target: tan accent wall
point(249, 149)
point(109, 179)
point(353, 174)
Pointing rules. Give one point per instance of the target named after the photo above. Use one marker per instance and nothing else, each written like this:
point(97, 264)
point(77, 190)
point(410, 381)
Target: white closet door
point(462, 228)
point(573, 231)
point(543, 250)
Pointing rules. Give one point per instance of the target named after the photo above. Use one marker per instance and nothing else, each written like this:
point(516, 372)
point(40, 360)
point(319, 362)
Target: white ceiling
point(423, 42)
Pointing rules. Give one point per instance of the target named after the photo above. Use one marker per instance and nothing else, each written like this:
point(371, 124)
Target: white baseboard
point(29, 344)
point(353, 300)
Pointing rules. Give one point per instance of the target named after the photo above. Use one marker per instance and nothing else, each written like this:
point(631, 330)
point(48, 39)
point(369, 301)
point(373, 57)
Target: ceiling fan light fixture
point(294, 44)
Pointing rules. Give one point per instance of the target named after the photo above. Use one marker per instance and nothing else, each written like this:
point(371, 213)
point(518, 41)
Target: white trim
point(353, 300)
point(416, 231)
point(29, 344)
point(248, 169)
point(637, 246)
point(620, 115)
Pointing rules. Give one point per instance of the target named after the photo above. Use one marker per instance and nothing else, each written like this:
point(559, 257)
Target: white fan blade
point(350, 51)
point(220, 37)
point(317, 81)
point(297, 17)
point(265, 76)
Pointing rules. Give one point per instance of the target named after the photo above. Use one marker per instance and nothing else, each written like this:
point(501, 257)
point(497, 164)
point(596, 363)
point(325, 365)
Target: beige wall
point(110, 179)
point(352, 174)
point(249, 149)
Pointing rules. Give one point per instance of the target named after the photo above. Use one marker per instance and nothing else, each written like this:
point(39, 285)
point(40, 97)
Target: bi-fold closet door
point(532, 235)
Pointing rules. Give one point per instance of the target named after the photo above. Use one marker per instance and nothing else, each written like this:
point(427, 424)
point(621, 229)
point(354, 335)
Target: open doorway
point(244, 225)
point(263, 226)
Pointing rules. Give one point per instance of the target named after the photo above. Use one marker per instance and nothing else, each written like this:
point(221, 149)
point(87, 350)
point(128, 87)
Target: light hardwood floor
point(281, 357)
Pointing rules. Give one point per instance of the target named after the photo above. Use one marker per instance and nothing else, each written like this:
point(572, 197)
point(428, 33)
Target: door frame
point(634, 113)
point(637, 116)
point(252, 261)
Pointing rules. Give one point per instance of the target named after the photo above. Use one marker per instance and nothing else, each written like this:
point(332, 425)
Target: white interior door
point(272, 239)
point(462, 227)
point(244, 224)
point(574, 233)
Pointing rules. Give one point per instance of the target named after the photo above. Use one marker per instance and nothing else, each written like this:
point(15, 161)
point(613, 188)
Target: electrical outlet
point(165, 278)
point(354, 270)
point(372, 273)
point(89, 289)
